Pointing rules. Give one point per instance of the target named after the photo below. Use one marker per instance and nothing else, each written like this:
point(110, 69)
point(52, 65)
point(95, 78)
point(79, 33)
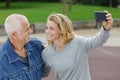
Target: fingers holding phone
point(109, 17)
point(105, 17)
point(109, 22)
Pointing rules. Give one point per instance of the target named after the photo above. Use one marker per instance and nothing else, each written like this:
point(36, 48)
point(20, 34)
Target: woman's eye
point(51, 28)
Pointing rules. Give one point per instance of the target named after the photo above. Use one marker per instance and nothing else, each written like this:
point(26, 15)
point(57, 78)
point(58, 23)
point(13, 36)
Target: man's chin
point(27, 39)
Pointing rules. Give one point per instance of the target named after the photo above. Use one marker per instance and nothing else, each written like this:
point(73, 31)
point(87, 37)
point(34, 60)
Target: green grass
point(38, 12)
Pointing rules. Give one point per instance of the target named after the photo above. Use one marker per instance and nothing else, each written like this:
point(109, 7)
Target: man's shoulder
point(1, 71)
point(2, 61)
point(2, 52)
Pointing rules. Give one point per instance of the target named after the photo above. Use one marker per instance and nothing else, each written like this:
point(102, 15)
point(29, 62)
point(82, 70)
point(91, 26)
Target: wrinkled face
point(52, 31)
point(24, 35)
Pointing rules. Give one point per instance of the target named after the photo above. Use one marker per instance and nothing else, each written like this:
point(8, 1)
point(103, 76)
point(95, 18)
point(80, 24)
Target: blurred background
point(81, 12)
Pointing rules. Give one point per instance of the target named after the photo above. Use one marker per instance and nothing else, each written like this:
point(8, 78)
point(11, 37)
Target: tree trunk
point(70, 6)
point(110, 3)
point(64, 6)
point(7, 3)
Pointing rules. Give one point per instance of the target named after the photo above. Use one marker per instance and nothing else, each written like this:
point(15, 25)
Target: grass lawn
point(38, 12)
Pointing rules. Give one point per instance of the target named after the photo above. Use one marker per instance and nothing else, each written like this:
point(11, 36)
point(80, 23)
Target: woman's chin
point(49, 39)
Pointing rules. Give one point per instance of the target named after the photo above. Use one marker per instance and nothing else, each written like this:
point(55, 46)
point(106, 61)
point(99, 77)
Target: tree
point(110, 3)
point(7, 3)
point(64, 6)
point(70, 4)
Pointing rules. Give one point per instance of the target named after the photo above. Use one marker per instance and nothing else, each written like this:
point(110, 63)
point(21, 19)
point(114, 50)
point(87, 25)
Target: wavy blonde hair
point(65, 25)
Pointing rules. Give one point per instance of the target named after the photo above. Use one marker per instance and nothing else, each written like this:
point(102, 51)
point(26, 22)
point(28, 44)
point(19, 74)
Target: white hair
point(13, 23)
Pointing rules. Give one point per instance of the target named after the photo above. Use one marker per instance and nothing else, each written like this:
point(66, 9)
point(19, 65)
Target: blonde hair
point(64, 24)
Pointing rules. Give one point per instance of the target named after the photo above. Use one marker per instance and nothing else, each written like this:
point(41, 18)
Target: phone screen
point(100, 16)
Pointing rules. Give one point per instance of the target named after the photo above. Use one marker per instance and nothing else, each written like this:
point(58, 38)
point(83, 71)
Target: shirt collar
point(11, 54)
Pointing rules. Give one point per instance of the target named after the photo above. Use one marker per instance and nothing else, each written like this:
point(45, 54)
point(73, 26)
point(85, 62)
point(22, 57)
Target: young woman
point(67, 53)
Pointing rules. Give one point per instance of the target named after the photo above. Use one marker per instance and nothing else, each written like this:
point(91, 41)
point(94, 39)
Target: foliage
point(100, 2)
point(38, 12)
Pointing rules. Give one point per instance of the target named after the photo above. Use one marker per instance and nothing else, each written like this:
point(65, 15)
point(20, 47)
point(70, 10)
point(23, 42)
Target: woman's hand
point(108, 24)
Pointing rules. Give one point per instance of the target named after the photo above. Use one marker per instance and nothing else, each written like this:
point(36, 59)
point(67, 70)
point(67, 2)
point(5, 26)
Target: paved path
point(105, 63)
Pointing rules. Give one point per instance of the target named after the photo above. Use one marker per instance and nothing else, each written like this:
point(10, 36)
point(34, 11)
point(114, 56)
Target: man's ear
point(14, 35)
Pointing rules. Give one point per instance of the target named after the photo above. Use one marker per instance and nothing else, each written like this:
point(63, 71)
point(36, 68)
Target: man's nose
point(30, 30)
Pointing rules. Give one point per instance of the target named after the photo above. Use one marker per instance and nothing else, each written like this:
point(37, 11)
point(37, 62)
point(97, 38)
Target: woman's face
point(52, 31)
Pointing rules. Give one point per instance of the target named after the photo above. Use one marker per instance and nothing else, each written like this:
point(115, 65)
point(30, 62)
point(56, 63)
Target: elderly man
point(20, 55)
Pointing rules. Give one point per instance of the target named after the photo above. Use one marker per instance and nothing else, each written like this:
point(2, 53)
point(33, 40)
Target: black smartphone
point(100, 16)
